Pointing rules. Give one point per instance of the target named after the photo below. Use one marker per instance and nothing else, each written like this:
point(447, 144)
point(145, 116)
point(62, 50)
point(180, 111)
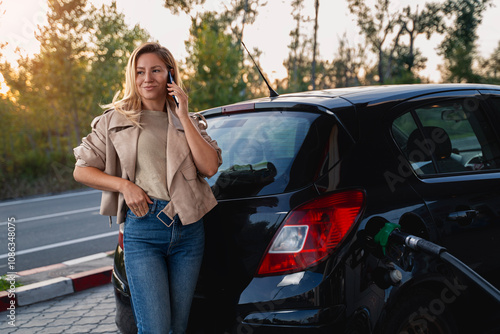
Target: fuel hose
point(391, 233)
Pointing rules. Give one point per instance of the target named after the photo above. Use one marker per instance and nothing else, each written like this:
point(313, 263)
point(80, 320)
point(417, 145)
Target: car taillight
point(311, 232)
point(120, 235)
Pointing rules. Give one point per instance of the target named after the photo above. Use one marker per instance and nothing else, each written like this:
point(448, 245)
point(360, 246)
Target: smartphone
point(170, 80)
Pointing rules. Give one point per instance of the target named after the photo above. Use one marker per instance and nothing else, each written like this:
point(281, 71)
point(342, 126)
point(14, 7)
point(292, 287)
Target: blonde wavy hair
point(130, 105)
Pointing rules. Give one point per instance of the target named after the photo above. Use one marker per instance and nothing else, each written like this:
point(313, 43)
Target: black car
point(310, 178)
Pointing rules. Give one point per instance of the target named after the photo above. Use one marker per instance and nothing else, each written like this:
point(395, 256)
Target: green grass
point(5, 284)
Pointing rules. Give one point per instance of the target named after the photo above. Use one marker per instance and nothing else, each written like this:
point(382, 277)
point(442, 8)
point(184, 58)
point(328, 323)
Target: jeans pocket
point(131, 214)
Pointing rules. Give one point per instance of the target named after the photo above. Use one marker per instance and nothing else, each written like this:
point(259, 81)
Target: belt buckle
point(158, 216)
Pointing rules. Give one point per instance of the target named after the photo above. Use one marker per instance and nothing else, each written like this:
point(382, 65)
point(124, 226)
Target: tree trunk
point(380, 66)
point(315, 45)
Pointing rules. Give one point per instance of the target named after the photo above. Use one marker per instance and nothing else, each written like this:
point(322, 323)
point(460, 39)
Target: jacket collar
point(177, 146)
point(174, 120)
point(118, 121)
point(124, 135)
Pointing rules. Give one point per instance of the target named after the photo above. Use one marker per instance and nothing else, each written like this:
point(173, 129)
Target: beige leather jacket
point(112, 148)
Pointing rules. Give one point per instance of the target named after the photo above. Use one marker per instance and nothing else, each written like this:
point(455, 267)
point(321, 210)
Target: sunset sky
point(270, 33)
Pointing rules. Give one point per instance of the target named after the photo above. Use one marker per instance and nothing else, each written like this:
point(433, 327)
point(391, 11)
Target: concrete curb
point(49, 288)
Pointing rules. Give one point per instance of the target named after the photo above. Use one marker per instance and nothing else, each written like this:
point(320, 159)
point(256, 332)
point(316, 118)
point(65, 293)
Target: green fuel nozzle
point(382, 237)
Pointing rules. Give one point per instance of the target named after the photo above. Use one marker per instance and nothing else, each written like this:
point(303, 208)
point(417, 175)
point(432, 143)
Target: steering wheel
point(475, 163)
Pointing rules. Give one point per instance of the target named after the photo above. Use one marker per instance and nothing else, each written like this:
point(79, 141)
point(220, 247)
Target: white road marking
point(48, 198)
point(64, 243)
point(52, 215)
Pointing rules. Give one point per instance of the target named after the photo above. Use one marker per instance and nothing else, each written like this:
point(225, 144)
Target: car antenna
point(272, 92)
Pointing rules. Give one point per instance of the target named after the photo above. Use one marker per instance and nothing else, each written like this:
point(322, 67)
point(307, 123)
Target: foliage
point(347, 65)
point(299, 60)
point(215, 59)
point(244, 9)
point(55, 94)
point(217, 70)
point(5, 283)
point(384, 31)
point(459, 46)
point(315, 45)
point(490, 67)
point(405, 65)
point(427, 21)
point(112, 43)
point(376, 26)
point(176, 6)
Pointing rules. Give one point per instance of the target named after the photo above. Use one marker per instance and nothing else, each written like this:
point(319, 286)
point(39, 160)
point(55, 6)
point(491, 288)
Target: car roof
point(343, 97)
point(346, 103)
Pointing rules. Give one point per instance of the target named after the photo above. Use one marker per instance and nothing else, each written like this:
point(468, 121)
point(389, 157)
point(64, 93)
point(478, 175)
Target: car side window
point(447, 137)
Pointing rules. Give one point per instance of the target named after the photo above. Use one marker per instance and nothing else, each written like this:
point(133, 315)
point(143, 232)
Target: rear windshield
point(268, 152)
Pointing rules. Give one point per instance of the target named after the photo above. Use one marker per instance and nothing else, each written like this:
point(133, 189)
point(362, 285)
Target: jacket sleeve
point(202, 127)
point(92, 150)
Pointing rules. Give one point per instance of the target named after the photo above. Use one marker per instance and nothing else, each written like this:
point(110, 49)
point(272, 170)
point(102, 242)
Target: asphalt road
point(53, 229)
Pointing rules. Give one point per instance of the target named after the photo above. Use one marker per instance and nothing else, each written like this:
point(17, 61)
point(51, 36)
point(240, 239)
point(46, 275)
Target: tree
point(298, 63)
point(9, 129)
point(57, 92)
point(240, 13)
point(347, 64)
point(246, 9)
point(217, 69)
point(427, 22)
point(384, 30)
point(61, 65)
point(214, 67)
point(459, 46)
point(112, 43)
point(186, 6)
point(315, 44)
point(81, 63)
point(405, 66)
point(377, 28)
point(490, 67)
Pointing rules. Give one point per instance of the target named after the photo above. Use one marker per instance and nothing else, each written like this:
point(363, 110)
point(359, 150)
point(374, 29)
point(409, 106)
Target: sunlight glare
point(4, 89)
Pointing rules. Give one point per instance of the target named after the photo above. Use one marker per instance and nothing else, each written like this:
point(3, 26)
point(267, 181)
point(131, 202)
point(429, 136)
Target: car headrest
point(436, 141)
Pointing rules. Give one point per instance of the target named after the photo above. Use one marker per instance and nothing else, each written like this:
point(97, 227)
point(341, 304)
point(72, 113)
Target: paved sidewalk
point(71, 297)
point(60, 279)
point(88, 311)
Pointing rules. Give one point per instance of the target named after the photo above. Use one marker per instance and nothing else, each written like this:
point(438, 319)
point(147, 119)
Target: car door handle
point(464, 217)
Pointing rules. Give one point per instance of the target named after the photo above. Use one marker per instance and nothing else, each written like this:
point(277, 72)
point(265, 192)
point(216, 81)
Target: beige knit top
point(151, 171)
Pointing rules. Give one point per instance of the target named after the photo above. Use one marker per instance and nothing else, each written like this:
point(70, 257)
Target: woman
point(149, 156)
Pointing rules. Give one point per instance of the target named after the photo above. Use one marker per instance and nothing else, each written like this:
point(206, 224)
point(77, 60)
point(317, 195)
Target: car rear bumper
point(278, 304)
point(209, 319)
point(285, 321)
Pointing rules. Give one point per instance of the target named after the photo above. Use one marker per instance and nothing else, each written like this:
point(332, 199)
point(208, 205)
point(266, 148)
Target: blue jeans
point(162, 265)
